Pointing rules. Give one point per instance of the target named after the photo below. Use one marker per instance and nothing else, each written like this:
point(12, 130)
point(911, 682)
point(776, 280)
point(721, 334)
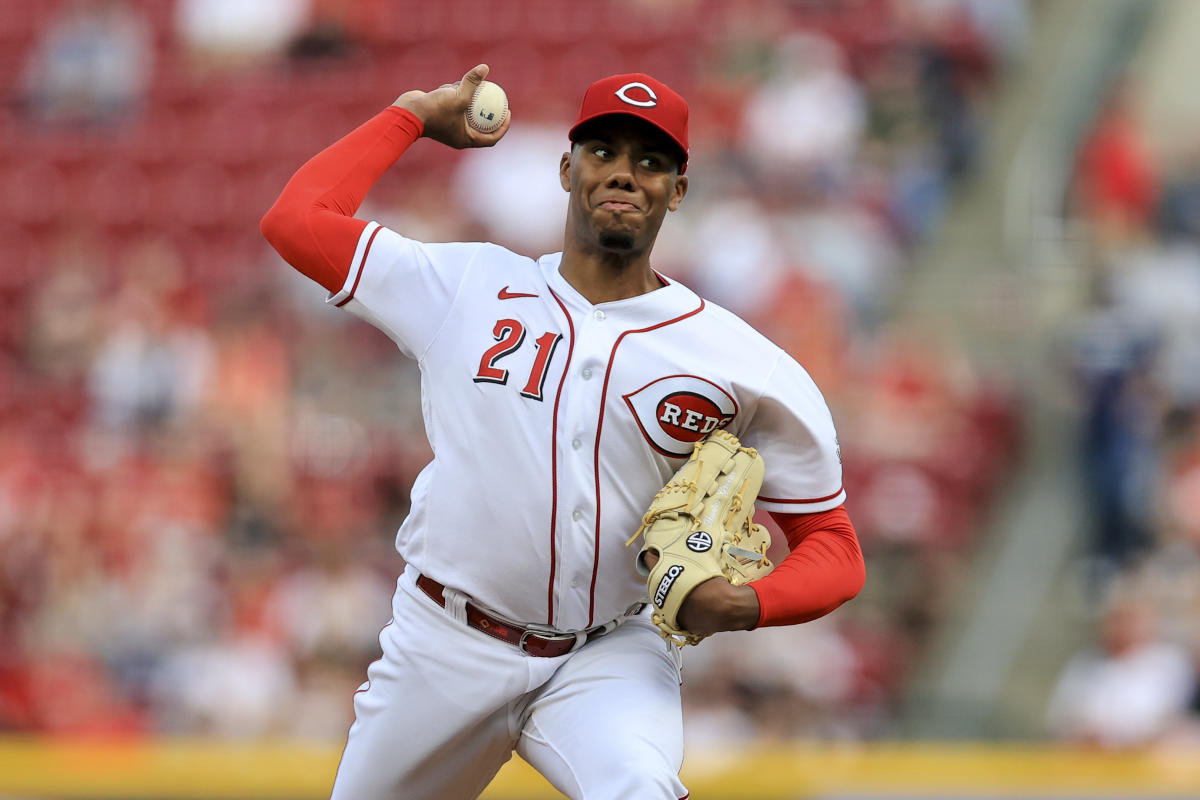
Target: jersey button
point(576, 443)
point(587, 373)
point(599, 314)
point(577, 515)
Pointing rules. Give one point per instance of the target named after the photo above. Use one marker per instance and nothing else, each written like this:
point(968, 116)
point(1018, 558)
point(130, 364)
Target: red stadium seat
point(34, 193)
point(117, 194)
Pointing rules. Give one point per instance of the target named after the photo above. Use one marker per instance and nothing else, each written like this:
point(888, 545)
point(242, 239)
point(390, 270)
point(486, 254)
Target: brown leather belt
point(543, 644)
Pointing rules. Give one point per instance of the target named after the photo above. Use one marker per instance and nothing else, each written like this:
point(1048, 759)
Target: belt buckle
point(578, 636)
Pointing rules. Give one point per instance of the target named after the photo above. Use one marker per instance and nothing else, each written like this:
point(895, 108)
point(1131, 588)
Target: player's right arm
point(312, 223)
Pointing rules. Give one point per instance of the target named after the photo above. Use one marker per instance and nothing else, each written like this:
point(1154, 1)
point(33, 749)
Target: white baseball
point(488, 108)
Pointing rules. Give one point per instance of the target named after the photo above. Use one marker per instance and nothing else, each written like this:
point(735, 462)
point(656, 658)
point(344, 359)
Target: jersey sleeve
point(823, 569)
point(793, 430)
point(404, 287)
point(312, 223)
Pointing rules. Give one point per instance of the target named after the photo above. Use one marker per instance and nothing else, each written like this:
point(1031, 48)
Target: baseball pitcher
point(601, 436)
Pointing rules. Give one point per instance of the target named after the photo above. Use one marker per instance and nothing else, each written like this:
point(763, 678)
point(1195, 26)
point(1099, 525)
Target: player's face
point(623, 178)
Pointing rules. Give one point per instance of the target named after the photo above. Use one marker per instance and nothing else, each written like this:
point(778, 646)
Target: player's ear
point(564, 171)
point(677, 193)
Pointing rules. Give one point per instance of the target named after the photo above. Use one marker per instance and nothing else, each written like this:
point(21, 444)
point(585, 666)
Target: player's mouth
point(618, 205)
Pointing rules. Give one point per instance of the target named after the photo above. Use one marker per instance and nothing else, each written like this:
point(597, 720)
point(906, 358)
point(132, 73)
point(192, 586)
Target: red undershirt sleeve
point(312, 224)
point(823, 570)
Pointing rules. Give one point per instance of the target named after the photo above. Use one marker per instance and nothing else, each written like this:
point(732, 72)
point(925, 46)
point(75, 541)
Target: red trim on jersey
point(554, 462)
point(312, 223)
point(596, 458)
point(362, 265)
point(813, 500)
point(823, 570)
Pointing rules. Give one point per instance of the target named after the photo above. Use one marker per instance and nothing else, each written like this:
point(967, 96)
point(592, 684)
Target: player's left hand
point(443, 112)
point(706, 547)
point(716, 605)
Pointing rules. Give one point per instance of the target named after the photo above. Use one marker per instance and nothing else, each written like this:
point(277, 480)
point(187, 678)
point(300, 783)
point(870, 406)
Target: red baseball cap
point(638, 95)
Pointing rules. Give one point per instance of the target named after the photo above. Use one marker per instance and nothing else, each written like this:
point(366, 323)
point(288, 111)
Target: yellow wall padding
point(191, 770)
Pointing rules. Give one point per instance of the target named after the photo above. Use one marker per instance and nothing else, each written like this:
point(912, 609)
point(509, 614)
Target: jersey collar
point(661, 304)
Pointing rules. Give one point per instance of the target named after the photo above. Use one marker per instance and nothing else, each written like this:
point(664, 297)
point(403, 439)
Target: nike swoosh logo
point(505, 294)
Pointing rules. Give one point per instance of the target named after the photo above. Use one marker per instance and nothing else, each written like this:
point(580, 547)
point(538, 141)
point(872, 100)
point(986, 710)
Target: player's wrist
point(744, 609)
point(760, 607)
point(410, 102)
point(717, 605)
point(407, 120)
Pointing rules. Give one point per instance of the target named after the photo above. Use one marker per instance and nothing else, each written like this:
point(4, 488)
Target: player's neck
point(603, 277)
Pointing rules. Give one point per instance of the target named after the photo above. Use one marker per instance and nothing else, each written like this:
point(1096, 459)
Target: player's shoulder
point(492, 259)
point(734, 325)
point(489, 255)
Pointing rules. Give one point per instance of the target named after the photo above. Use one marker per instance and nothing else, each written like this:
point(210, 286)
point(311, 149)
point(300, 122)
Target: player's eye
point(601, 151)
point(651, 162)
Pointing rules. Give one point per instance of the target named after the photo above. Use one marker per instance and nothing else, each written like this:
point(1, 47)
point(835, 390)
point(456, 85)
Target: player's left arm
point(823, 570)
point(793, 430)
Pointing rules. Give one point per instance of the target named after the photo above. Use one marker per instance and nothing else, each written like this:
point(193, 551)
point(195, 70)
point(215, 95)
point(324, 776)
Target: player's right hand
point(444, 112)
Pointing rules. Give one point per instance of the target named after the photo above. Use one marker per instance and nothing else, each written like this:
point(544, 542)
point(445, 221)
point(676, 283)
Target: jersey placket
point(577, 482)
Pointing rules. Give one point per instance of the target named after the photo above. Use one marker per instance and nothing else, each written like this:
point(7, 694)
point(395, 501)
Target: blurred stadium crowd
point(202, 466)
point(1133, 358)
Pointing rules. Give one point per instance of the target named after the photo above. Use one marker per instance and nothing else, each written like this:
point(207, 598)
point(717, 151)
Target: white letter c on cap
point(651, 103)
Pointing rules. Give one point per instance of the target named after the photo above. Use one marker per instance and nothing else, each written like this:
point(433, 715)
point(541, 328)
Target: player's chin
point(620, 234)
point(618, 241)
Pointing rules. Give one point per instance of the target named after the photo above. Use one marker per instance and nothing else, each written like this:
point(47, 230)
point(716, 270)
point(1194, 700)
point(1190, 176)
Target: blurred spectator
point(237, 687)
point(65, 311)
point(1003, 26)
point(227, 34)
point(321, 609)
point(1111, 358)
point(735, 238)
point(954, 65)
point(149, 369)
point(514, 196)
point(318, 709)
point(90, 66)
point(329, 35)
point(802, 125)
point(1159, 283)
point(1133, 690)
point(1116, 186)
point(1179, 213)
point(799, 675)
point(846, 247)
point(1181, 486)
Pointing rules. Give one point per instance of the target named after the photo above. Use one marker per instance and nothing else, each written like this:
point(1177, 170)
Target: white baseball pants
point(446, 706)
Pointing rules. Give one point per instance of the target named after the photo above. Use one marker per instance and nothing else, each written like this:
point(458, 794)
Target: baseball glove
point(701, 526)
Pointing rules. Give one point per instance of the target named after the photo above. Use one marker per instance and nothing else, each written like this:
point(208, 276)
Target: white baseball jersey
point(554, 421)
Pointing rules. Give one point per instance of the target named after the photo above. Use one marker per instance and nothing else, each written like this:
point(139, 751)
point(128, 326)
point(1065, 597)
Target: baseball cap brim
point(580, 130)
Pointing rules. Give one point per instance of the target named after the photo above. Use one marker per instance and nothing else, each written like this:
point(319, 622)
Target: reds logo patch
point(677, 411)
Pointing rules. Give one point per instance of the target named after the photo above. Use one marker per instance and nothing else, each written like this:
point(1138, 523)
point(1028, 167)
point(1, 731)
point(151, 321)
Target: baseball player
point(559, 393)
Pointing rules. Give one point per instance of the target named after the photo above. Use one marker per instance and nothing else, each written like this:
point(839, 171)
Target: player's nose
point(620, 175)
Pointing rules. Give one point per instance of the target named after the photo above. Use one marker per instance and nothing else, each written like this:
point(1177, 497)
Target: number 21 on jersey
point(510, 335)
